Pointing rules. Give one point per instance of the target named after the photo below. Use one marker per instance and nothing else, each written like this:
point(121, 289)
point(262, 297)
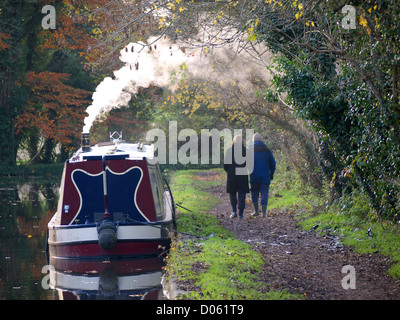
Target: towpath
point(305, 263)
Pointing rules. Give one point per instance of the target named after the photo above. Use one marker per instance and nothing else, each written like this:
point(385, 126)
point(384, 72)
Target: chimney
point(85, 142)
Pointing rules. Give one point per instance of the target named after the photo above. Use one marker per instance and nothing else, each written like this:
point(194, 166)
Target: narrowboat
point(113, 202)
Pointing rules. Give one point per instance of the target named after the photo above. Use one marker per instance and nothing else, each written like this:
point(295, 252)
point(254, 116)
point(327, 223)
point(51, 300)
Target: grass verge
point(359, 227)
point(215, 265)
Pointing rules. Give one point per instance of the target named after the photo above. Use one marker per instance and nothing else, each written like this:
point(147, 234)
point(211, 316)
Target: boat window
point(160, 185)
point(157, 190)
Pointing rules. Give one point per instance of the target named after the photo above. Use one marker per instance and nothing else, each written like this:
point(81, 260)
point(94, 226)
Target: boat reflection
point(125, 279)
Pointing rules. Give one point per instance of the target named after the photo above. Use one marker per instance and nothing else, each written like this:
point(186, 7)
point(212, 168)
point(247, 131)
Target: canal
point(26, 273)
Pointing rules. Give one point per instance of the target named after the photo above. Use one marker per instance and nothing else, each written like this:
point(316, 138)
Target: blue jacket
point(264, 163)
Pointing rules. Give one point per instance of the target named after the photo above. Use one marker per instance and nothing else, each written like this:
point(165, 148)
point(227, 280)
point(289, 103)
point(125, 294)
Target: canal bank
point(278, 257)
point(206, 260)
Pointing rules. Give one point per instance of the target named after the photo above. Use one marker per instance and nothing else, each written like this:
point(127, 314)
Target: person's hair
point(237, 139)
point(257, 137)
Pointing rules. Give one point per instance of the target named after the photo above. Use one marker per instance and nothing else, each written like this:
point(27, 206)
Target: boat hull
point(77, 241)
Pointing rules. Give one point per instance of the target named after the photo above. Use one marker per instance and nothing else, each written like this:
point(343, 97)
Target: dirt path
point(304, 263)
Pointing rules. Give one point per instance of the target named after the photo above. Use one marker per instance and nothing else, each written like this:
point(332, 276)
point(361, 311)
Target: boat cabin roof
point(117, 149)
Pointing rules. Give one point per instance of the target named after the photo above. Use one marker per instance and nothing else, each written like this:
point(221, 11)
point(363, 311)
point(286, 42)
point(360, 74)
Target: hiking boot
point(255, 213)
point(233, 215)
point(240, 215)
point(264, 210)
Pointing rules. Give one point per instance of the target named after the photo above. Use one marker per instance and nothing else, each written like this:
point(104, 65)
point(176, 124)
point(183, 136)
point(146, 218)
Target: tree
point(105, 27)
point(27, 49)
point(346, 83)
point(13, 61)
point(54, 109)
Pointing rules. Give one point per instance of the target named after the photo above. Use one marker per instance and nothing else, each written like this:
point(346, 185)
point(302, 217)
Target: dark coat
point(264, 164)
point(234, 182)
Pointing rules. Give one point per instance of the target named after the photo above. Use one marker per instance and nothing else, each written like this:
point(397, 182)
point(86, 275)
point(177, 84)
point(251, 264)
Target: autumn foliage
point(99, 29)
point(3, 44)
point(54, 107)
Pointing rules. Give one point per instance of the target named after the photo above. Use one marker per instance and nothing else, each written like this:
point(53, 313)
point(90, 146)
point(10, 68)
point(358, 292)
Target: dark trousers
point(257, 189)
point(238, 199)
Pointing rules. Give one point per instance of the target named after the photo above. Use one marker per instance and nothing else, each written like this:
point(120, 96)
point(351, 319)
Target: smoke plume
point(147, 65)
point(144, 66)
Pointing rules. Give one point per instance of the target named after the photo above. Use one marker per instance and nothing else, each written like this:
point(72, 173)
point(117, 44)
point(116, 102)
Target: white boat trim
point(62, 280)
point(60, 236)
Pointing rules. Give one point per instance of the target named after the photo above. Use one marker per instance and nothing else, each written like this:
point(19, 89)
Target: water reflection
point(137, 279)
point(25, 210)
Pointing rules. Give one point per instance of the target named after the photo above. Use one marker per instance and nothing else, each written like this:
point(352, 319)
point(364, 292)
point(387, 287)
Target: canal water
point(26, 273)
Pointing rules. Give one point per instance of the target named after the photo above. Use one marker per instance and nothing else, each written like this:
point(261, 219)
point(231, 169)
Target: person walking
point(237, 185)
point(262, 174)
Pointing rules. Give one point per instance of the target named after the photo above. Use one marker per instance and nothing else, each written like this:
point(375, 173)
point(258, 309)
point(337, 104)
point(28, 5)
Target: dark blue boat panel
point(121, 193)
point(90, 188)
point(92, 158)
point(122, 201)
